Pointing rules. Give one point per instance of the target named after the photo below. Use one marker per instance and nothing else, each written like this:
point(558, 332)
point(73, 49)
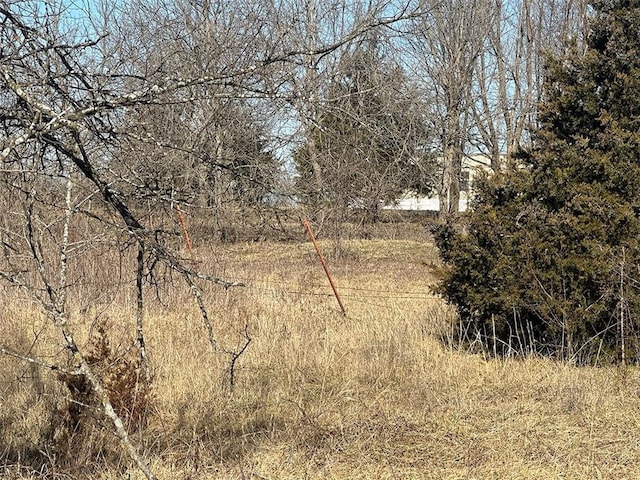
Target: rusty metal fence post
point(324, 265)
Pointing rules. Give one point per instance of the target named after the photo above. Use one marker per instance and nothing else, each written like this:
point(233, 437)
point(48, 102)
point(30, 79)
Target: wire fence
point(379, 298)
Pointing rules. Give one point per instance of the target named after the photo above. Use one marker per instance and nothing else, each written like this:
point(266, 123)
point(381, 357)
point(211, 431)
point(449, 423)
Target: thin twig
point(140, 314)
point(197, 295)
point(235, 356)
point(34, 361)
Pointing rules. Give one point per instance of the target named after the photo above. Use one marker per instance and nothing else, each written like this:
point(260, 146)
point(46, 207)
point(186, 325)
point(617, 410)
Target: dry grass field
point(375, 394)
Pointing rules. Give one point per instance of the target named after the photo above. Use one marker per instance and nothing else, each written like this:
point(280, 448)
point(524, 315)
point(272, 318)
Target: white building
point(471, 165)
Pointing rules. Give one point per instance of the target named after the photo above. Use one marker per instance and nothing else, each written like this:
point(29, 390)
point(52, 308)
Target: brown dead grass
point(373, 395)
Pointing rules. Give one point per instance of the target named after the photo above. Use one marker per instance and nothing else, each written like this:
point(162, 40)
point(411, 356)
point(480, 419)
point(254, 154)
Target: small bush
point(81, 421)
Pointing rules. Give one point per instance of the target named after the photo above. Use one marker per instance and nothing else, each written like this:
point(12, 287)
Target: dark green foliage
point(547, 260)
point(368, 143)
point(212, 153)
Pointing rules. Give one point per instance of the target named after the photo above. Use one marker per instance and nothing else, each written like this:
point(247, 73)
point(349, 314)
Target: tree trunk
point(449, 191)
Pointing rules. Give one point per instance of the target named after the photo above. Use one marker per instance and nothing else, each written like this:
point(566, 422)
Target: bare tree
point(481, 63)
point(447, 42)
point(509, 74)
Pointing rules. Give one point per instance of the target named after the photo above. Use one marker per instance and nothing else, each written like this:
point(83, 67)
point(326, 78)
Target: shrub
point(546, 261)
point(80, 433)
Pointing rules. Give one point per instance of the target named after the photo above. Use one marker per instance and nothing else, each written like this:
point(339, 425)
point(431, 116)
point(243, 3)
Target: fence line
point(405, 293)
point(383, 295)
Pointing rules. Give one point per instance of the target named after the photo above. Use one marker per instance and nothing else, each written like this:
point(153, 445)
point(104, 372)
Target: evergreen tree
point(548, 261)
point(370, 137)
point(213, 152)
